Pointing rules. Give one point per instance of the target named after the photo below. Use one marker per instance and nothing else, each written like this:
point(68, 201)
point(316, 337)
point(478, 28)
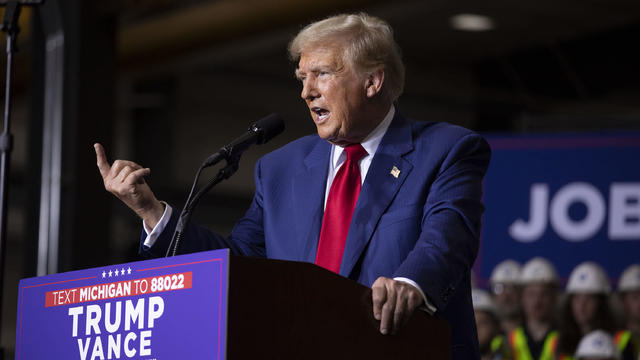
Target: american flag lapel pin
point(395, 172)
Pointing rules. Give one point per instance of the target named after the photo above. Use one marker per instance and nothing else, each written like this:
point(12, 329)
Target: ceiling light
point(471, 22)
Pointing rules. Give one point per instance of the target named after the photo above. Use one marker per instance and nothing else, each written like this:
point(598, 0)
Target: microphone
point(259, 133)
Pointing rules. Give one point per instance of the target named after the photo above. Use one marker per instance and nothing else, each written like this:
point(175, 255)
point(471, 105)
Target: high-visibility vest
point(520, 348)
point(500, 348)
point(622, 340)
point(554, 349)
point(496, 343)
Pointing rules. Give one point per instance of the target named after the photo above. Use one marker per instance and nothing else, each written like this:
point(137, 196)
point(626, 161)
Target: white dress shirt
point(338, 157)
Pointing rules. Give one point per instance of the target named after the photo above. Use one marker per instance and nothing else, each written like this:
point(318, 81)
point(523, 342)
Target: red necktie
point(341, 201)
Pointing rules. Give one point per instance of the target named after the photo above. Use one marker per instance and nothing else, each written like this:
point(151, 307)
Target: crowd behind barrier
point(528, 314)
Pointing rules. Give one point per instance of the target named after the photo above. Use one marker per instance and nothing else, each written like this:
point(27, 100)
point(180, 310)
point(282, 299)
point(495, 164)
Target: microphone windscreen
point(268, 127)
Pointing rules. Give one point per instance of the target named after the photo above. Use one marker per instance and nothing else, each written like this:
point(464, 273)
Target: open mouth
point(320, 113)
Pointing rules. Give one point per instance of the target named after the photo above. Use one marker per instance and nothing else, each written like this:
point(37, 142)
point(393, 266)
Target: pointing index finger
point(103, 164)
point(378, 297)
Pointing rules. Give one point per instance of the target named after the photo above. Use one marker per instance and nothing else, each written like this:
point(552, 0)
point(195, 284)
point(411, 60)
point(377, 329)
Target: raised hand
point(125, 180)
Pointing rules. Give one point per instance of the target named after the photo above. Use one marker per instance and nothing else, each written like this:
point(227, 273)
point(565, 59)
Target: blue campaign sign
point(568, 198)
point(172, 308)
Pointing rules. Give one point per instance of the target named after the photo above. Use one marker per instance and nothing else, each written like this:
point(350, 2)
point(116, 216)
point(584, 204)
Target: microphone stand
point(233, 162)
point(259, 133)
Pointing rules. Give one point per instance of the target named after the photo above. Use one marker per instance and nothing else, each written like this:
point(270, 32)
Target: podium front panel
point(173, 308)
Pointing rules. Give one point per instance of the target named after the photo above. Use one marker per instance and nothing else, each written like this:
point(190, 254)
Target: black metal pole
point(10, 26)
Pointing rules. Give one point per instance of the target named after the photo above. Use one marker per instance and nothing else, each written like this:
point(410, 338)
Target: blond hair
point(368, 45)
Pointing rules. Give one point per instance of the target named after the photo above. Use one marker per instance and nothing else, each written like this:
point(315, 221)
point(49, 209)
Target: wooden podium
point(292, 310)
point(210, 305)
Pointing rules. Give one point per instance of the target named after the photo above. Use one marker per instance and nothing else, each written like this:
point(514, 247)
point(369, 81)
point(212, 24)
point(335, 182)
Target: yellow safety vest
point(554, 348)
point(520, 348)
point(496, 343)
point(500, 346)
point(622, 340)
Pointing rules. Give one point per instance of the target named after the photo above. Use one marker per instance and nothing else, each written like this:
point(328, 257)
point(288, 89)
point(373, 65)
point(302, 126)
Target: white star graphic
point(122, 271)
point(110, 272)
point(116, 272)
point(129, 271)
point(104, 273)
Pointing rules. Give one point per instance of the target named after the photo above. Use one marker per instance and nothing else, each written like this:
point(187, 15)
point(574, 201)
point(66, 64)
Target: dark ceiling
point(422, 27)
point(541, 56)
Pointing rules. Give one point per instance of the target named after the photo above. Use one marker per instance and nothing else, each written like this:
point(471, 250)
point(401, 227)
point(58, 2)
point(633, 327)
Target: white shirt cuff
point(152, 234)
point(428, 306)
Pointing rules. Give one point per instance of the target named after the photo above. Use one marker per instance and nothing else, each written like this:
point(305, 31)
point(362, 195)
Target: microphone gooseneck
point(259, 133)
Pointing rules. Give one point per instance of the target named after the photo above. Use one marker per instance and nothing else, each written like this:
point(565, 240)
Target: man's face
point(538, 301)
point(486, 327)
point(631, 305)
point(584, 307)
point(505, 295)
point(336, 94)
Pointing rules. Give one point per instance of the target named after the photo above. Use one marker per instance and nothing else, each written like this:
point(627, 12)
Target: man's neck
point(586, 328)
point(538, 329)
point(377, 112)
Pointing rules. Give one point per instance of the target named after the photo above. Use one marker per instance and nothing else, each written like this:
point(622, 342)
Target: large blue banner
point(173, 308)
point(566, 198)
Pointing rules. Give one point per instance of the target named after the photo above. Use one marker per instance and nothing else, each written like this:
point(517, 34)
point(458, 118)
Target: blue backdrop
point(569, 198)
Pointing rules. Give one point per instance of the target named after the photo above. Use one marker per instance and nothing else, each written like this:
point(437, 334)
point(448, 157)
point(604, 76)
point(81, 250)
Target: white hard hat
point(482, 300)
point(630, 279)
point(597, 344)
point(538, 270)
point(588, 278)
point(507, 272)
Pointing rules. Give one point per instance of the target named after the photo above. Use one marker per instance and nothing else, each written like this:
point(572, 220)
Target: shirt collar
point(371, 142)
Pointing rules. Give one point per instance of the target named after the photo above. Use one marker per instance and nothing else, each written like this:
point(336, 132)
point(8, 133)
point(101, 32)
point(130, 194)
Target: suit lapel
point(380, 187)
point(309, 187)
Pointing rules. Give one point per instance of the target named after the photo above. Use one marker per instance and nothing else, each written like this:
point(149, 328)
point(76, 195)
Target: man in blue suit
point(391, 203)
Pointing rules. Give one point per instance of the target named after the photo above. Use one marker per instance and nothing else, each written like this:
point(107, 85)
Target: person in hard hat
point(585, 309)
point(597, 345)
point(493, 345)
point(628, 340)
point(506, 296)
point(539, 284)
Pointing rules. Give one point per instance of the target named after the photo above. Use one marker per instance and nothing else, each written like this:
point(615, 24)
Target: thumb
point(103, 164)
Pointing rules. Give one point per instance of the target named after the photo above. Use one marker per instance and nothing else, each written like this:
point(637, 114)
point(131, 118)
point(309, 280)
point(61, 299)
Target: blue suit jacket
point(423, 224)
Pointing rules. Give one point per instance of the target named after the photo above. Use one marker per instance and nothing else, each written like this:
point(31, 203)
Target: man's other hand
point(125, 179)
point(393, 303)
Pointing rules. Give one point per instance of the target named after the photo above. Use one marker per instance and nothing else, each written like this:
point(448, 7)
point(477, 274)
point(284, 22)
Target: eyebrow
point(316, 69)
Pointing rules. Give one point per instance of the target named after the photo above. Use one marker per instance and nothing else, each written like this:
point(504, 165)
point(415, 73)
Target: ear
point(374, 80)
